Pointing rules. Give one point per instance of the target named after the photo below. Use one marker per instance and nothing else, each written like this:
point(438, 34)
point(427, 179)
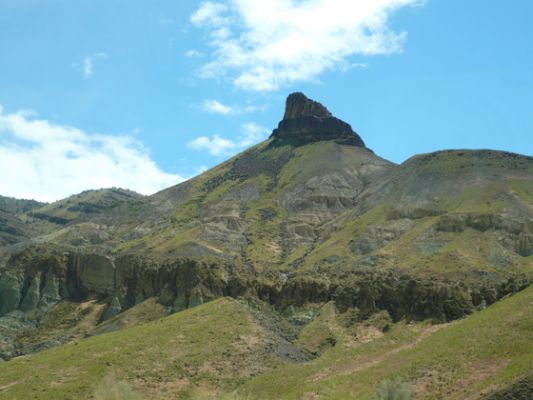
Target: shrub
point(112, 389)
point(394, 390)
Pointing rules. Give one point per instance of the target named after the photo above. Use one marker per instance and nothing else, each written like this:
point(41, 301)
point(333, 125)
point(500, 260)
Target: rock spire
point(306, 120)
point(298, 105)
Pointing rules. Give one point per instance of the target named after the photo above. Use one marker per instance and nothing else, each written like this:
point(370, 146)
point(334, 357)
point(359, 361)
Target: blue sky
point(143, 94)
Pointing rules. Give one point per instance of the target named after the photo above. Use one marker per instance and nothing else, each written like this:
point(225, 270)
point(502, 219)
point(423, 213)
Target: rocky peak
point(306, 121)
point(299, 105)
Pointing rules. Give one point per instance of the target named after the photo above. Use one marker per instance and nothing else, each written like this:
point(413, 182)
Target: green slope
point(467, 359)
point(221, 347)
point(201, 351)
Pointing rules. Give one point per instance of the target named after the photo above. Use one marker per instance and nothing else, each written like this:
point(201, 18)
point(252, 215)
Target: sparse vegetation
point(211, 350)
point(393, 390)
point(113, 389)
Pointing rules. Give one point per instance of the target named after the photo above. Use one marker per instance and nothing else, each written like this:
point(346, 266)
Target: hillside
point(324, 245)
point(481, 357)
point(223, 346)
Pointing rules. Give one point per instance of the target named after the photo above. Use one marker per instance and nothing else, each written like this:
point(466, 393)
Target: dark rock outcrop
point(36, 281)
point(306, 121)
point(298, 105)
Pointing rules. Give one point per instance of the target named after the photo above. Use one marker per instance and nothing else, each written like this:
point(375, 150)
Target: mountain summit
point(299, 105)
point(306, 121)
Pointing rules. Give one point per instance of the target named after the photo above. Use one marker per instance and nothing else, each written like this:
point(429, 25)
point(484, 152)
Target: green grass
point(217, 348)
point(205, 350)
point(489, 349)
point(147, 311)
point(458, 252)
point(338, 244)
point(111, 389)
point(63, 322)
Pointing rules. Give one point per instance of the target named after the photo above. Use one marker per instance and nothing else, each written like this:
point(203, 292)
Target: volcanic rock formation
point(308, 121)
point(298, 105)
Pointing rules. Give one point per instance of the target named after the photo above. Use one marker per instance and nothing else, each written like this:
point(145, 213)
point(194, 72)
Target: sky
point(146, 94)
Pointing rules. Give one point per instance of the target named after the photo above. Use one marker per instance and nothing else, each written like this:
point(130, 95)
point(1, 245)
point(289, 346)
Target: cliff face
point(41, 283)
point(298, 106)
point(307, 121)
point(38, 278)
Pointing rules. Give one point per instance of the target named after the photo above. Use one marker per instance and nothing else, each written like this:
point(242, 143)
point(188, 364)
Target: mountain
point(306, 224)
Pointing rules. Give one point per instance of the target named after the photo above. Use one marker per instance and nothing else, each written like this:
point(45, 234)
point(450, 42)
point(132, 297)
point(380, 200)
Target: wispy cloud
point(216, 107)
point(264, 45)
point(215, 145)
point(87, 65)
point(193, 54)
point(53, 161)
point(211, 12)
point(251, 133)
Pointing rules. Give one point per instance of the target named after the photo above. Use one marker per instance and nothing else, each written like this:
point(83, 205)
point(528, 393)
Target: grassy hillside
point(17, 206)
point(467, 359)
point(201, 352)
point(222, 346)
point(448, 213)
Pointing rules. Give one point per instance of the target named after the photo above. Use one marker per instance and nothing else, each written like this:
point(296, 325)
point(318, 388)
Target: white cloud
point(216, 107)
point(264, 45)
point(252, 109)
point(215, 145)
point(251, 133)
point(193, 54)
point(87, 65)
point(45, 161)
point(210, 12)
